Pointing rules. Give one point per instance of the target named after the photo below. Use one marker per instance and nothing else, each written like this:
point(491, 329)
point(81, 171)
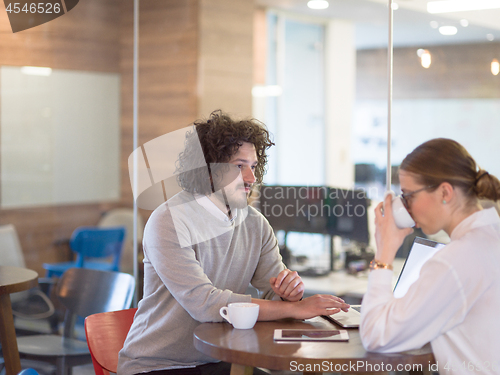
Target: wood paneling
point(87, 38)
point(259, 46)
point(225, 56)
point(168, 52)
point(38, 228)
point(457, 71)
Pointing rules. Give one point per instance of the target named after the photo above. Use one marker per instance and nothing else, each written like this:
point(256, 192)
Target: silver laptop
point(421, 250)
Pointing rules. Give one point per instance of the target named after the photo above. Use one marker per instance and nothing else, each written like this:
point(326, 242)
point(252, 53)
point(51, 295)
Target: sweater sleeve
point(270, 262)
point(391, 324)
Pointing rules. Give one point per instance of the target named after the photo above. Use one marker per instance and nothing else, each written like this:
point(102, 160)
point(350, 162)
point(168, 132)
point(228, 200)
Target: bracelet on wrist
point(375, 265)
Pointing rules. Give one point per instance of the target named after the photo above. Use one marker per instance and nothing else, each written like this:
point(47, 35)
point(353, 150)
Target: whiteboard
point(60, 137)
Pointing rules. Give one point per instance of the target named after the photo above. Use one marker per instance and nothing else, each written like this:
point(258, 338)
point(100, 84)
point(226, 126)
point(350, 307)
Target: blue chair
point(28, 371)
point(90, 243)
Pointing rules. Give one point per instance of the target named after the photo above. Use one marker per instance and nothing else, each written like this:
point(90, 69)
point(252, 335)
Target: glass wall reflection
point(196, 57)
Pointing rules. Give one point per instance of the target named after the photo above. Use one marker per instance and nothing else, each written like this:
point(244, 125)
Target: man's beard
point(235, 199)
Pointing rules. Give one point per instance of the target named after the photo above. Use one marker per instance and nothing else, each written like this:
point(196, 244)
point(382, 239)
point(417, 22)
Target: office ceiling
point(412, 23)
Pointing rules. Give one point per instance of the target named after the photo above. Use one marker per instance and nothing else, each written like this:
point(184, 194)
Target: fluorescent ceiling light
point(495, 67)
point(425, 57)
point(318, 4)
point(36, 71)
point(448, 6)
point(266, 91)
point(448, 30)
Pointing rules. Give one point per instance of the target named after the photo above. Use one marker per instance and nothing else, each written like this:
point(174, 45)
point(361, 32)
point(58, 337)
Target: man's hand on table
point(319, 304)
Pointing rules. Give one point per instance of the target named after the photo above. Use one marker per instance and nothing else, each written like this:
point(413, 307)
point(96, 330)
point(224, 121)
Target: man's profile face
point(238, 181)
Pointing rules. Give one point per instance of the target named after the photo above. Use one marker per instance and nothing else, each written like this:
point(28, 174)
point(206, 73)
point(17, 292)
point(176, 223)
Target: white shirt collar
point(480, 218)
point(212, 208)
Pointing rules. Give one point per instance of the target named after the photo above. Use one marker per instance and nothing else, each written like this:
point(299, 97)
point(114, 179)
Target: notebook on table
point(421, 250)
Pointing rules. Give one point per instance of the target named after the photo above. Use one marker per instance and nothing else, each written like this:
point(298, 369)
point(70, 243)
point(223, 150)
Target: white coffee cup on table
point(401, 215)
point(241, 315)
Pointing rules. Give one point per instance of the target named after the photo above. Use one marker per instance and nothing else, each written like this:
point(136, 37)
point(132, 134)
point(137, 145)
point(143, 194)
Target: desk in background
point(317, 210)
point(343, 284)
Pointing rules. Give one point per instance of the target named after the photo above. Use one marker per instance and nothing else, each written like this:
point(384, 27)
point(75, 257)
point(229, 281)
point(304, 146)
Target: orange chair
point(106, 333)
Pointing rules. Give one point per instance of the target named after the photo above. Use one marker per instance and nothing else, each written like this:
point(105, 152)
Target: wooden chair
point(106, 333)
point(83, 292)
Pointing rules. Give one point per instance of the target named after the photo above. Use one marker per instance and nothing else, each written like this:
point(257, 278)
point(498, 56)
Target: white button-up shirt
point(455, 303)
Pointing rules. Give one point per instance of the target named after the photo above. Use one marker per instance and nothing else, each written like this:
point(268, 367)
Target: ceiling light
point(318, 4)
point(266, 91)
point(448, 6)
point(448, 30)
point(490, 37)
point(36, 71)
point(395, 6)
point(425, 57)
point(464, 23)
point(434, 24)
point(495, 67)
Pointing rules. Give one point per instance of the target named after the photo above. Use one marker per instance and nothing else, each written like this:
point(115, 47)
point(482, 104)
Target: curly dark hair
point(220, 138)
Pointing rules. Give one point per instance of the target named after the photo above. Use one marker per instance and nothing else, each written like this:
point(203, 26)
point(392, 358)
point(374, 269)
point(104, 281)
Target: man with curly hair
point(204, 246)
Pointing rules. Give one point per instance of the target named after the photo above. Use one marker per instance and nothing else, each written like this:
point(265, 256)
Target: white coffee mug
point(401, 215)
point(241, 315)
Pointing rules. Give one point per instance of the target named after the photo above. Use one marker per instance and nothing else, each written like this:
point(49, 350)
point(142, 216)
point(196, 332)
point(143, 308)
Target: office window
point(444, 86)
point(294, 111)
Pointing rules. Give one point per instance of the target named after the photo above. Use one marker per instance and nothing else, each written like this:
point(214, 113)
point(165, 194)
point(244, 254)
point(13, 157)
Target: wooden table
point(255, 347)
point(12, 280)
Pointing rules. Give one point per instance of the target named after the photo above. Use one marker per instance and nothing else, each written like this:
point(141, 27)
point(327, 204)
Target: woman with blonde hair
point(454, 304)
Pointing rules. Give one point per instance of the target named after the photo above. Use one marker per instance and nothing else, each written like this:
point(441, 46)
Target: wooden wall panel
point(84, 39)
point(259, 46)
point(457, 71)
point(39, 227)
point(168, 53)
point(226, 57)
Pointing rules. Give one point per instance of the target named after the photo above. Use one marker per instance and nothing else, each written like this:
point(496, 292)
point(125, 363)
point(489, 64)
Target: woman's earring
point(444, 202)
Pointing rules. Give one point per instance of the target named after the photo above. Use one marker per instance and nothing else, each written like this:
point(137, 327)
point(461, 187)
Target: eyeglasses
point(405, 196)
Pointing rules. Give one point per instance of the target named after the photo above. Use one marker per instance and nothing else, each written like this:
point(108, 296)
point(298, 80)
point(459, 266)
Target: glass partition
point(445, 85)
point(62, 129)
point(195, 57)
point(295, 111)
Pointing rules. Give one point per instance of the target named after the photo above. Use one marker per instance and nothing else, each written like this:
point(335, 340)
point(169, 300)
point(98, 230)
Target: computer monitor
point(316, 209)
point(348, 214)
point(295, 208)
